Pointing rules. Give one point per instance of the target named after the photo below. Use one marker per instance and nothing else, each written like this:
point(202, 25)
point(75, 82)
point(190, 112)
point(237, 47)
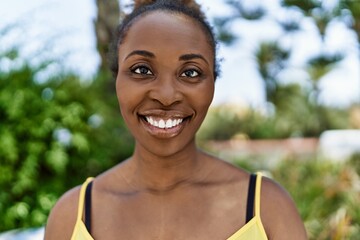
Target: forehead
point(167, 31)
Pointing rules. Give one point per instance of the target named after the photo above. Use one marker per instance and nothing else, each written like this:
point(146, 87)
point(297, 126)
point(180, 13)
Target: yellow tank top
point(253, 230)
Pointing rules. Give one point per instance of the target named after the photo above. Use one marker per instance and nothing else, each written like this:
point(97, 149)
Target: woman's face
point(165, 82)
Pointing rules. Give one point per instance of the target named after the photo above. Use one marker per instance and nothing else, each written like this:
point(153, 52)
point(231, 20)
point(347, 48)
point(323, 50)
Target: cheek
point(130, 97)
point(202, 99)
point(206, 95)
point(125, 97)
point(119, 92)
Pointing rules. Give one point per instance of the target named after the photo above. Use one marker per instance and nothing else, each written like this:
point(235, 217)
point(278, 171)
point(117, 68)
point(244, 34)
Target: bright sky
point(63, 28)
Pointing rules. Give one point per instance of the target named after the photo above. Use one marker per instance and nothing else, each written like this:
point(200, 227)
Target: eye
point(191, 73)
point(143, 70)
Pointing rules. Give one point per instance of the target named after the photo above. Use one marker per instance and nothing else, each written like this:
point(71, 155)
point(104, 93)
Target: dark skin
point(169, 189)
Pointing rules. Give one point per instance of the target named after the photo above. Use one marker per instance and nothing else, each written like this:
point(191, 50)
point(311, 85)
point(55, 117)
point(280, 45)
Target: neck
point(163, 173)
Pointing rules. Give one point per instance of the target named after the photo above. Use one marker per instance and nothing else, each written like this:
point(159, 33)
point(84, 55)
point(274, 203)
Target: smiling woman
point(165, 67)
point(164, 82)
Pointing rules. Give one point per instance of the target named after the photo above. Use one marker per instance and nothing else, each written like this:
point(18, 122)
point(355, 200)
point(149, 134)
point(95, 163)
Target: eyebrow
point(191, 56)
point(185, 57)
point(143, 53)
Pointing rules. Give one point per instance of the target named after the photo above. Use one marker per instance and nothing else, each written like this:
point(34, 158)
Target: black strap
point(250, 198)
point(88, 207)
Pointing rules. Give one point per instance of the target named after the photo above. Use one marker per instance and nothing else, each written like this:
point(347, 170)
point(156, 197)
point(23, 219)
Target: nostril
point(166, 93)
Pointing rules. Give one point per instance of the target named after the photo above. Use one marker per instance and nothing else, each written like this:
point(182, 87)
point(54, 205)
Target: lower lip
point(163, 132)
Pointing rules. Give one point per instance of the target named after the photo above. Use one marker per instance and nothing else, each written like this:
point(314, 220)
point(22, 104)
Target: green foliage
point(294, 116)
point(221, 123)
point(321, 190)
point(273, 56)
point(253, 13)
point(228, 121)
point(297, 115)
point(325, 194)
point(271, 59)
point(320, 65)
point(52, 136)
point(305, 6)
point(222, 31)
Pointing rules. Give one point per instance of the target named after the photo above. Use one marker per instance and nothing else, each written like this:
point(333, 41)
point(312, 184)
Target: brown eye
point(142, 70)
point(191, 73)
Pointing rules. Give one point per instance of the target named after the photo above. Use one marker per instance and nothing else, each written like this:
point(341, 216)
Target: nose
point(166, 91)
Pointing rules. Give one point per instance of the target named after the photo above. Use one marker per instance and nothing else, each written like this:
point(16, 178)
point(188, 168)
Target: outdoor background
point(290, 73)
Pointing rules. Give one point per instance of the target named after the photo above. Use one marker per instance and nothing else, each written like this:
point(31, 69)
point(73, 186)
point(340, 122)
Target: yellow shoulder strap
point(82, 198)
point(258, 193)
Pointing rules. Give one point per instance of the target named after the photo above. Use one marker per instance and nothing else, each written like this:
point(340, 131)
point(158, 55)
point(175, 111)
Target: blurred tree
point(248, 12)
point(315, 9)
point(105, 24)
point(56, 132)
point(306, 6)
point(294, 115)
point(353, 7)
point(322, 15)
point(222, 30)
point(271, 59)
point(318, 67)
point(222, 24)
point(297, 109)
point(108, 17)
point(52, 136)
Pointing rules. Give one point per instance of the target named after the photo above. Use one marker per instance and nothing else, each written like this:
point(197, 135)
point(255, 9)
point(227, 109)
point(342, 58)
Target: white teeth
point(161, 123)
point(164, 123)
point(168, 124)
point(150, 120)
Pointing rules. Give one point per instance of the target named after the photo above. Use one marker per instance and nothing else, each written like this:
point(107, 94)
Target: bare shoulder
point(279, 214)
point(62, 218)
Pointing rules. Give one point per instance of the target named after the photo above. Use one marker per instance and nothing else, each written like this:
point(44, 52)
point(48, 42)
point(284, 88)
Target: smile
point(163, 123)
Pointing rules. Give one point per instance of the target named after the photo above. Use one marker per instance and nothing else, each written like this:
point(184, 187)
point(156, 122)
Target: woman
point(169, 189)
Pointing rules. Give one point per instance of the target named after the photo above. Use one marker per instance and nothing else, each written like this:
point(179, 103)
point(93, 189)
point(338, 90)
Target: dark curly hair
point(142, 7)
